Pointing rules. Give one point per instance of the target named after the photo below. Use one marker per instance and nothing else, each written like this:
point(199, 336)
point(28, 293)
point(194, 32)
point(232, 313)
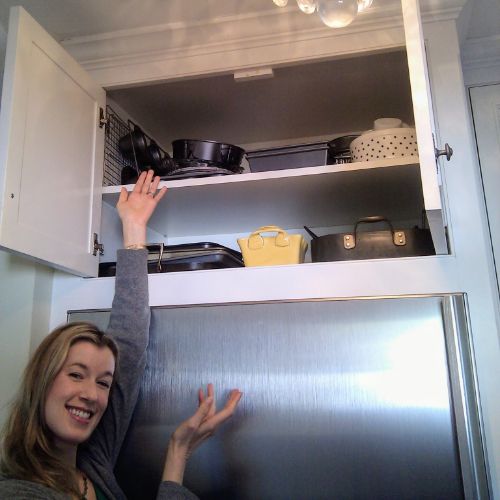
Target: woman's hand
point(135, 208)
point(196, 429)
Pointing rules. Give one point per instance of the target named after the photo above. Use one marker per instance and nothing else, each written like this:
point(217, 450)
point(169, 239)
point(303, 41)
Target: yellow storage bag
point(282, 248)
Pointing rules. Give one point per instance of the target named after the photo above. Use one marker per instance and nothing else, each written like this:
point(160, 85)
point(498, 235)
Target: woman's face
point(79, 393)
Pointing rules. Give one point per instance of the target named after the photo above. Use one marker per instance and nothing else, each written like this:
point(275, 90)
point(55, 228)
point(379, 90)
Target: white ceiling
point(72, 18)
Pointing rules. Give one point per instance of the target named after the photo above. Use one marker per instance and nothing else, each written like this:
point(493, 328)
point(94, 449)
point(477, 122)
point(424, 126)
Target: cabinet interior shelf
point(325, 196)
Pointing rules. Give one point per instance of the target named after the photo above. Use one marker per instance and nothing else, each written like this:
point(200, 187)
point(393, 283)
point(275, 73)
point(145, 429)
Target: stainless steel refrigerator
point(343, 399)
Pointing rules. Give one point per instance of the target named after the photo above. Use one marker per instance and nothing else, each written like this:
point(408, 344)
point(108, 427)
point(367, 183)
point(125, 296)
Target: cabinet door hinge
point(98, 247)
point(103, 119)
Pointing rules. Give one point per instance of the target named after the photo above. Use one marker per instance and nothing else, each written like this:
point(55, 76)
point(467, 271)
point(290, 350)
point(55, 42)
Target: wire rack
point(113, 159)
point(167, 168)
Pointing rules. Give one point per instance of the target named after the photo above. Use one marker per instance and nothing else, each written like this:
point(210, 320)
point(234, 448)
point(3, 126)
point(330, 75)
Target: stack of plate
point(194, 168)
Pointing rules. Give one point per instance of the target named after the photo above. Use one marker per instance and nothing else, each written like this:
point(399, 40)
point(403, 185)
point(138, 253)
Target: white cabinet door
point(424, 122)
point(51, 151)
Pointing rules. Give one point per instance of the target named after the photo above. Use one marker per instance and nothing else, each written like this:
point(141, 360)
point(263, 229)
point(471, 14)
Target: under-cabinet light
point(253, 74)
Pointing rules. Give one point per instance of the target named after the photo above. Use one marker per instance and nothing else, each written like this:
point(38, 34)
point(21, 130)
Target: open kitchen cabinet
point(42, 85)
point(301, 104)
point(46, 232)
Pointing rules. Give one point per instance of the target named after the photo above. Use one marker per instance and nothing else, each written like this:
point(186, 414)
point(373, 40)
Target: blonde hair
point(28, 445)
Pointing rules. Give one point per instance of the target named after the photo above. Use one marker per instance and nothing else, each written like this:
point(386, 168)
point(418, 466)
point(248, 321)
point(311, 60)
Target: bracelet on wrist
point(136, 246)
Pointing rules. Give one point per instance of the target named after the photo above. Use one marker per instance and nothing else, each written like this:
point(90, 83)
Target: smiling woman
point(77, 398)
point(67, 381)
point(79, 393)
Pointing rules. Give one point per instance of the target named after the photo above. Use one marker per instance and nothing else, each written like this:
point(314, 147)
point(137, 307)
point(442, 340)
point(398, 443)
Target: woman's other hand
point(196, 429)
point(136, 207)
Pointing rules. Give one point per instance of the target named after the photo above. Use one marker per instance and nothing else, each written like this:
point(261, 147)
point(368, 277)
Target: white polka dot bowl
point(387, 143)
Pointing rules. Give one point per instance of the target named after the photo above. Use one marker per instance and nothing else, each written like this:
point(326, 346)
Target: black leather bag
point(383, 244)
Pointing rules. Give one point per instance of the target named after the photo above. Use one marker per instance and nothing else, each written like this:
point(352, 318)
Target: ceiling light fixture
point(334, 13)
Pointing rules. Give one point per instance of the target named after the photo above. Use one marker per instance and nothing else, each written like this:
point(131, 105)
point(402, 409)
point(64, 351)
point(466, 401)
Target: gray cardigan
point(129, 326)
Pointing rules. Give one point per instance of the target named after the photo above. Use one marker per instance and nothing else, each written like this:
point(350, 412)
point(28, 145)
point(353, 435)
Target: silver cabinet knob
point(447, 151)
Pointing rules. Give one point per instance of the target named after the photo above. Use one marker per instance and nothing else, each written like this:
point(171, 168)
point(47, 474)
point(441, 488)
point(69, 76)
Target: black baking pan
point(339, 149)
point(133, 147)
point(217, 259)
point(214, 153)
point(143, 152)
point(185, 257)
point(295, 156)
point(188, 249)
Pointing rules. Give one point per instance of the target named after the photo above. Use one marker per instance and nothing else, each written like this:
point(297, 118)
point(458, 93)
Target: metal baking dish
point(219, 154)
point(215, 259)
point(185, 257)
point(301, 155)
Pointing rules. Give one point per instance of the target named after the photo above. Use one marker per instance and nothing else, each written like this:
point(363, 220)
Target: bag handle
point(256, 241)
point(161, 248)
point(398, 237)
point(372, 219)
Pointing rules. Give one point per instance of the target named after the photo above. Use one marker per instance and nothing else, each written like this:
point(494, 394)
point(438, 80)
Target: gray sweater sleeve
point(129, 326)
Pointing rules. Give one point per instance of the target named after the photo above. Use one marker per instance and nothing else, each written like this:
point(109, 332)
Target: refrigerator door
point(348, 399)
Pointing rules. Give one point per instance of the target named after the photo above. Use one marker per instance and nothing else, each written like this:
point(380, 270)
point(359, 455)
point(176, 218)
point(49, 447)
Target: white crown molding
point(116, 53)
point(241, 30)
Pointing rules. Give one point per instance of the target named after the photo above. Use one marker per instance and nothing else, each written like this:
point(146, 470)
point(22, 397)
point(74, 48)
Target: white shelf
point(332, 195)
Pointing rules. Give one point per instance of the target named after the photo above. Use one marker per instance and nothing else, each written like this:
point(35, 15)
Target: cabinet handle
point(447, 151)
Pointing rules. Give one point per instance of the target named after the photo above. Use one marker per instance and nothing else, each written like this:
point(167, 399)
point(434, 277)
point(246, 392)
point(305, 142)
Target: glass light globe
point(280, 3)
point(307, 6)
point(337, 13)
point(364, 4)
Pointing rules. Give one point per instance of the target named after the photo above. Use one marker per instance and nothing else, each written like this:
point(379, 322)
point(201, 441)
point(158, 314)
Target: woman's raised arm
point(136, 207)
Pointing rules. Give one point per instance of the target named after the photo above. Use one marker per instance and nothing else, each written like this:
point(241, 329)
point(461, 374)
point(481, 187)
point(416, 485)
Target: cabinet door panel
point(51, 151)
point(424, 122)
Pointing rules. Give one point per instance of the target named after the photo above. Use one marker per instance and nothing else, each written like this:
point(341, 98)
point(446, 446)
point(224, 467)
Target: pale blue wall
point(25, 293)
